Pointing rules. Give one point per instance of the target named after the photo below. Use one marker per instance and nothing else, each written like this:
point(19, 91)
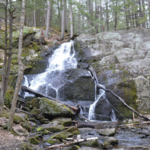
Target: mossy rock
point(24, 146)
point(93, 143)
point(54, 126)
point(107, 132)
point(74, 147)
point(62, 135)
point(110, 141)
point(17, 119)
point(63, 121)
point(73, 130)
point(50, 109)
point(53, 141)
point(33, 140)
point(26, 125)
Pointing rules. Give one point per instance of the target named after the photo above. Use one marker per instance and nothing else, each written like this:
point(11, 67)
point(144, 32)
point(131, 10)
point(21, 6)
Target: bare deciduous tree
point(20, 70)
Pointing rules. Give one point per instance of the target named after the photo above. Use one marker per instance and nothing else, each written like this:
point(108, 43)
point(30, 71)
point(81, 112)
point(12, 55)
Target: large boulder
point(49, 108)
point(79, 86)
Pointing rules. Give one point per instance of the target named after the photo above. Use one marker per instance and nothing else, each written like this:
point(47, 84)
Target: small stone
point(107, 132)
point(109, 142)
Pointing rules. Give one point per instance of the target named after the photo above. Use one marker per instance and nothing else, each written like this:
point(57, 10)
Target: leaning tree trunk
point(20, 70)
point(5, 61)
point(119, 98)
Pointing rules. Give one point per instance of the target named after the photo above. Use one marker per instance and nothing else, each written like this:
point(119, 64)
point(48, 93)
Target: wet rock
point(107, 132)
point(109, 142)
point(88, 148)
point(90, 143)
point(79, 86)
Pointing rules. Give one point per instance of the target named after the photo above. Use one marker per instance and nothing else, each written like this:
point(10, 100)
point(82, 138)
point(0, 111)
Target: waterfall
point(101, 93)
point(50, 81)
point(62, 59)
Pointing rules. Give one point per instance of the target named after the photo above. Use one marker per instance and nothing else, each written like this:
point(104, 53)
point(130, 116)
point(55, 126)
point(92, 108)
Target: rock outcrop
point(122, 62)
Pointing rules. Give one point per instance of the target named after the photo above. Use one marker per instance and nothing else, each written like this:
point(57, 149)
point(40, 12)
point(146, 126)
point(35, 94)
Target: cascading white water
point(101, 94)
point(92, 106)
point(62, 59)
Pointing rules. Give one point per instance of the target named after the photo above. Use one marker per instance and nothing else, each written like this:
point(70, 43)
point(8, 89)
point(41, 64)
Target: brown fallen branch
point(70, 143)
point(107, 90)
point(24, 88)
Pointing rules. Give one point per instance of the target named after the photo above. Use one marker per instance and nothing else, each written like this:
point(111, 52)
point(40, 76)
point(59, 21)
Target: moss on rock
point(33, 140)
point(26, 125)
point(24, 146)
point(50, 108)
point(90, 143)
point(63, 121)
point(61, 135)
point(53, 141)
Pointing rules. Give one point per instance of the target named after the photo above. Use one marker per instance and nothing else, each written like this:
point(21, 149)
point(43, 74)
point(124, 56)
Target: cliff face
point(122, 62)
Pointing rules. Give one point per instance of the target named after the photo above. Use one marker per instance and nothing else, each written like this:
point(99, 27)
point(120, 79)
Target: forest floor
point(8, 141)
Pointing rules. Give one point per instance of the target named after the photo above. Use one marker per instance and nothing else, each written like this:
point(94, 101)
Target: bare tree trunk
point(140, 11)
point(47, 19)
point(34, 15)
point(10, 45)
point(90, 5)
point(59, 17)
point(101, 17)
point(107, 18)
point(127, 21)
point(136, 16)
point(71, 20)
point(116, 19)
point(20, 70)
point(143, 13)
point(96, 17)
point(5, 61)
point(63, 20)
point(51, 13)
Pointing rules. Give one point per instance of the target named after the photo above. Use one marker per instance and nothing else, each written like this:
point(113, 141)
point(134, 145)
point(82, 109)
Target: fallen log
point(24, 88)
point(38, 94)
point(70, 143)
point(119, 98)
point(86, 125)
